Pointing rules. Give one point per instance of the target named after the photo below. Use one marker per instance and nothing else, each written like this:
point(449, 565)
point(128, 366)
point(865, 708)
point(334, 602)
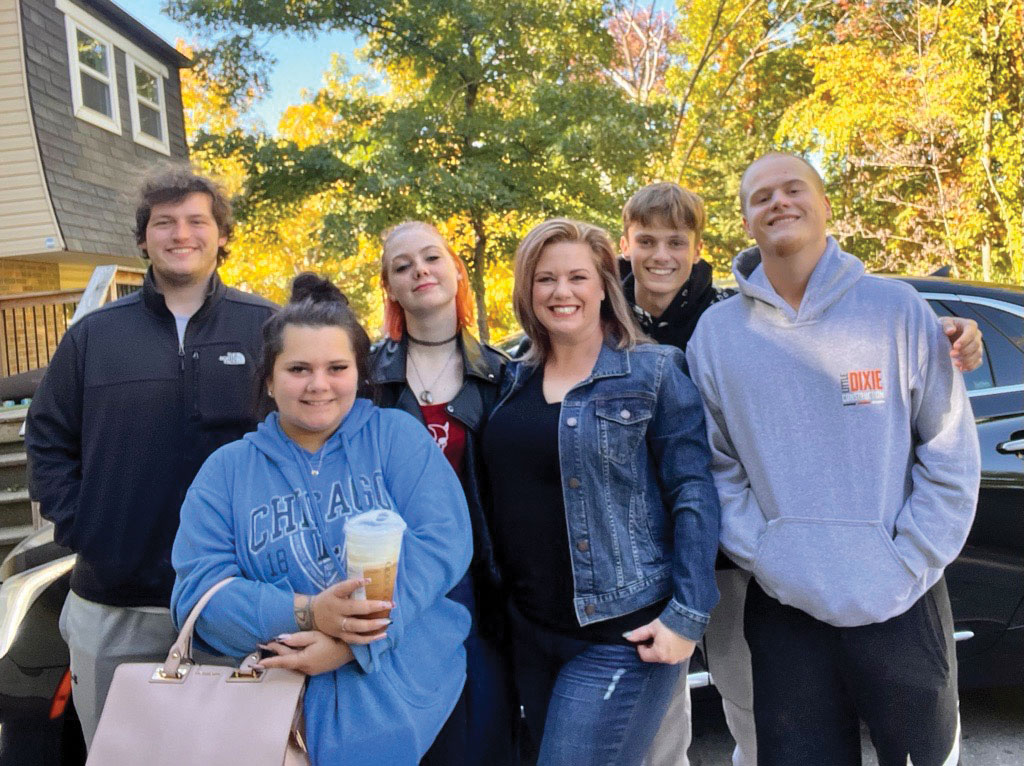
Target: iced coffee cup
point(373, 541)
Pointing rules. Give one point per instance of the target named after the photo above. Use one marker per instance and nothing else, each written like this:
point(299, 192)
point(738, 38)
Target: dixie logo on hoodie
point(862, 387)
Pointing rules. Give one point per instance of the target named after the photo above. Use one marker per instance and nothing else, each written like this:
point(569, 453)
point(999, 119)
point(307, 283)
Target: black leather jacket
point(482, 366)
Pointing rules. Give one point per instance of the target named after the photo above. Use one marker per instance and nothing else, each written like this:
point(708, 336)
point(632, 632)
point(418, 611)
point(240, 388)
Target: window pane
point(980, 378)
point(149, 122)
point(96, 95)
point(1011, 324)
point(145, 86)
point(92, 52)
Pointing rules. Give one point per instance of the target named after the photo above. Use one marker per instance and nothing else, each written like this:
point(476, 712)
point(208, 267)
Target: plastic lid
point(375, 523)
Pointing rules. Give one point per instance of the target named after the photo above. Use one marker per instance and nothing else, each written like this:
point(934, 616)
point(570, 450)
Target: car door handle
point(1011, 447)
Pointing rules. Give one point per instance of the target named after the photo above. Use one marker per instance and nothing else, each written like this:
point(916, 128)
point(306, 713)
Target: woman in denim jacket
point(605, 517)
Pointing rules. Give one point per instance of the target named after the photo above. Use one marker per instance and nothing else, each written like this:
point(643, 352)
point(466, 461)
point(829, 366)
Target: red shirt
point(448, 433)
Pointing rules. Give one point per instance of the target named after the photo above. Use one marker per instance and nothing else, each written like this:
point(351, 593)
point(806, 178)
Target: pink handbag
point(182, 713)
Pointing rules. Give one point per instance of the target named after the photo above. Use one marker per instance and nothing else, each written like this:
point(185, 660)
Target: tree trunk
point(477, 272)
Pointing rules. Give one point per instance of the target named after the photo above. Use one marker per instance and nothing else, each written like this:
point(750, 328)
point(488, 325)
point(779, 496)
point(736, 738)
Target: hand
point(965, 336)
point(657, 643)
point(337, 614)
point(310, 652)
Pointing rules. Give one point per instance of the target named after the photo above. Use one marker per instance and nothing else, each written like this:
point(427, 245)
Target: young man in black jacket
point(669, 287)
point(137, 396)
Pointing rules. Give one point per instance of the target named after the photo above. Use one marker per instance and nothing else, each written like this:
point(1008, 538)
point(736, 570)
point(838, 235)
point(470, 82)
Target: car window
point(981, 378)
point(1006, 358)
point(1011, 325)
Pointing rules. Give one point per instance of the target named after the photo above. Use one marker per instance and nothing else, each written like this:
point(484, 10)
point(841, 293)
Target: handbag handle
point(181, 650)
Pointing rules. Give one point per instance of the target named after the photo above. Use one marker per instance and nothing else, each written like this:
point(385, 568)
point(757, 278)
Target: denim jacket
point(640, 504)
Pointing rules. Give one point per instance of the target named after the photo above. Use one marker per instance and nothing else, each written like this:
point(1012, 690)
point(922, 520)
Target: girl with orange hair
point(431, 366)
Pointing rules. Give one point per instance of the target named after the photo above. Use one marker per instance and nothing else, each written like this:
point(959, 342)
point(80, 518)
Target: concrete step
point(15, 508)
point(11, 419)
point(13, 474)
point(11, 536)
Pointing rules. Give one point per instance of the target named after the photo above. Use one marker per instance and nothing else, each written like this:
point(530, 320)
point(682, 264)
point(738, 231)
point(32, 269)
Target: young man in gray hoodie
point(846, 459)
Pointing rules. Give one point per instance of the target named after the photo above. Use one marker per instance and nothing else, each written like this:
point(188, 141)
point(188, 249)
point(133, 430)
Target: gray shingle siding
point(90, 172)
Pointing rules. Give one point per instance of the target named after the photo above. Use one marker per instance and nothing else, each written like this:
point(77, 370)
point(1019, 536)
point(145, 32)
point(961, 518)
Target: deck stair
point(16, 519)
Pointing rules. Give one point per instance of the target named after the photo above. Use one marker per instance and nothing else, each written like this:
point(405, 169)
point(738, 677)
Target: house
point(89, 99)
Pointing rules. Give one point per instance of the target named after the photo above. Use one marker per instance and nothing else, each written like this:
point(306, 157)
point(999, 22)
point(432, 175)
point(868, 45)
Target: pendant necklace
point(319, 463)
point(425, 395)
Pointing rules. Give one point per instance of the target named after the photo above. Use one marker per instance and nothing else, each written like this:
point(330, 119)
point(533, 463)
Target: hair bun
point(309, 286)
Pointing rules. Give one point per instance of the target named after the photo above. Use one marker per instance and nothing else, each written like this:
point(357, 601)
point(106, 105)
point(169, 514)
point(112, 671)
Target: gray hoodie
point(843, 444)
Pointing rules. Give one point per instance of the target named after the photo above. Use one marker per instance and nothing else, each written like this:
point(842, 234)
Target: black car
point(986, 582)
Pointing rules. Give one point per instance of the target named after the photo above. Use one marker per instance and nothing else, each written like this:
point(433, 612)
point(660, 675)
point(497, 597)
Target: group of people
point(805, 448)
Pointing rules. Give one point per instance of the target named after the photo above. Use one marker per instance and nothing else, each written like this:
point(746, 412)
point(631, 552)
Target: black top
point(531, 540)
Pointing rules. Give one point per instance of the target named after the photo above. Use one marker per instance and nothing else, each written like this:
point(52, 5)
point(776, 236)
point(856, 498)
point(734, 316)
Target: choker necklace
point(425, 395)
point(431, 342)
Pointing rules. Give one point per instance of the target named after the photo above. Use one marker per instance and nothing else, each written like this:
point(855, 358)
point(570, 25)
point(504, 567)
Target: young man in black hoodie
point(669, 287)
point(137, 396)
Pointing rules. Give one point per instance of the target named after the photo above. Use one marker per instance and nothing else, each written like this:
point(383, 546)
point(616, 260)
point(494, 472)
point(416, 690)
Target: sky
point(300, 62)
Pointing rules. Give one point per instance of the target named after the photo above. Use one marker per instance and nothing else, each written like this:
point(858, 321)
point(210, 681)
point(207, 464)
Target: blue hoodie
point(248, 515)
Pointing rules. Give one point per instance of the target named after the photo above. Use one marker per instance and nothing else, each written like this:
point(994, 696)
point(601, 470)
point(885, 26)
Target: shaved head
point(814, 175)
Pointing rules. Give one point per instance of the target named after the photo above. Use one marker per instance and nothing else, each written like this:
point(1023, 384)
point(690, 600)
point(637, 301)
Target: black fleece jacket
point(121, 423)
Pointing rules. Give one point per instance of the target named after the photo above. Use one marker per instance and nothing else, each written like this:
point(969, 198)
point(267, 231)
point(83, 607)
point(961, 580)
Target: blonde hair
point(394, 314)
point(616, 317)
point(816, 179)
point(668, 203)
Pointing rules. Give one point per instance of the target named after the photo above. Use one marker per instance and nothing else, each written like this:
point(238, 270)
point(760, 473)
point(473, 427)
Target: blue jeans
point(588, 704)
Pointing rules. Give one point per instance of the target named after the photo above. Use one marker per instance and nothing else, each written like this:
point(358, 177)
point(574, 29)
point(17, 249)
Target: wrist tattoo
point(304, 614)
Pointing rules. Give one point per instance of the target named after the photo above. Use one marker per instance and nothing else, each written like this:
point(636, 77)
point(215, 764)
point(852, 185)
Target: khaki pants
point(729, 663)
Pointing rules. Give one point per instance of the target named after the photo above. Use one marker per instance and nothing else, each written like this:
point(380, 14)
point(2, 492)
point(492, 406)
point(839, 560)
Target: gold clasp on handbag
point(246, 673)
point(245, 677)
point(160, 677)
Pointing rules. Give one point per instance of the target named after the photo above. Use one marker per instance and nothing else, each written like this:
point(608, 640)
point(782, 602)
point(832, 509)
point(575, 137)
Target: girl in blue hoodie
point(269, 510)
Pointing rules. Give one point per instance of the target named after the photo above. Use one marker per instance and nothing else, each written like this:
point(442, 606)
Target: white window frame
point(160, 145)
point(76, 16)
point(107, 122)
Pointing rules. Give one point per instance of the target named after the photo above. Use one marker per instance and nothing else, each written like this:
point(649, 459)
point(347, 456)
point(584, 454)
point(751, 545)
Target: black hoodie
point(675, 326)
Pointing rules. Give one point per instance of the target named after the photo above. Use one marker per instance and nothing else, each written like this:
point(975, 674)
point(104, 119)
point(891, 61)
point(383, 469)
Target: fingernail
point(258, 667)
point(388, 622)
point(284, 636)
point(627, 634)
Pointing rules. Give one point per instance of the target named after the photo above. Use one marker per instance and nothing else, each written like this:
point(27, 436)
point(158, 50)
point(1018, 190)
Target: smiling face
point(182, 239)
point(420, 274)
point(662, 259)
point(567, 292)
point(784, 206)
point(314, 382)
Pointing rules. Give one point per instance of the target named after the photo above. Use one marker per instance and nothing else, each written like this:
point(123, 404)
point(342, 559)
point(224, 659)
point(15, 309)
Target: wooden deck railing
point(32, 324)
